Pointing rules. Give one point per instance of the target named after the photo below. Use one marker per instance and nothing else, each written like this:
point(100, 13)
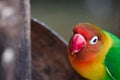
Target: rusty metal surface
point(49, 55)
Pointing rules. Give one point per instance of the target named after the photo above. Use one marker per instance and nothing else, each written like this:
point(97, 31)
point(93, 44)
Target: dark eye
point(94, 40)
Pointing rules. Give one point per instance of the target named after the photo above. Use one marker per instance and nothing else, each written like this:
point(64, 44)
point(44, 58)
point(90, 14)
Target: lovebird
point(94, 53)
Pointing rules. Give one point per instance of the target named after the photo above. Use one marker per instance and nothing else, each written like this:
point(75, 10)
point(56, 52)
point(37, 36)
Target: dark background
point(62, 15)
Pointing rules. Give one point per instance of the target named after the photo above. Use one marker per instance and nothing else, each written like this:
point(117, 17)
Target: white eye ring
point(94, 40)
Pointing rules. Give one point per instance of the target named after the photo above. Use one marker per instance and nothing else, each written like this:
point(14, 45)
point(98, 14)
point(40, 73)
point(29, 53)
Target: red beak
point(78, 43)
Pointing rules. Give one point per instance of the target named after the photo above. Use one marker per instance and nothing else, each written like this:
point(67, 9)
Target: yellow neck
point(94, 72)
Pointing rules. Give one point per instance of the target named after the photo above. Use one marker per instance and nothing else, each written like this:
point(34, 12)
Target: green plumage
point(112, 59)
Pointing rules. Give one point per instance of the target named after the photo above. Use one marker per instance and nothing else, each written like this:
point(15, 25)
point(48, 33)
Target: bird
point(94, 53)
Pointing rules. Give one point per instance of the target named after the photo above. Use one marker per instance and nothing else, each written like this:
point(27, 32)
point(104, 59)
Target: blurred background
point(63, 15)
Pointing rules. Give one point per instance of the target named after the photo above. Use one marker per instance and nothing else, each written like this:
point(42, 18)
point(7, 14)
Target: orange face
point(85, 42)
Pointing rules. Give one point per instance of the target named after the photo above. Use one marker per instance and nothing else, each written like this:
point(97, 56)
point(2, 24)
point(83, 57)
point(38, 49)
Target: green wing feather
point(112, 59)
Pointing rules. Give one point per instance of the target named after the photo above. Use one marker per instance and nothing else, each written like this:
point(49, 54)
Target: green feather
point(112, 59)
point(109, 75)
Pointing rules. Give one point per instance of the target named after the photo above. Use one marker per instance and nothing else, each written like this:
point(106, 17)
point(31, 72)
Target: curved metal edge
point(50, 29)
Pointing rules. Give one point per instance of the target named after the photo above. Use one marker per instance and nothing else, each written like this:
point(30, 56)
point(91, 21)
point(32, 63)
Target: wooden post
point(15, 40)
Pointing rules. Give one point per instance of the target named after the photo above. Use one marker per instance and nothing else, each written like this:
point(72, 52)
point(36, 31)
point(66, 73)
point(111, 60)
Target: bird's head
point(86, 43)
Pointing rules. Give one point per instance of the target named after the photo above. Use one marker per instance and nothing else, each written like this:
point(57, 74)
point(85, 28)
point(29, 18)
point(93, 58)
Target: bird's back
point(112, 60)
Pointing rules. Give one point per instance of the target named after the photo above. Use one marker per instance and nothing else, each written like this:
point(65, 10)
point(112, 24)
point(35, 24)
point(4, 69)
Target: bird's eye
point(94, 40)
